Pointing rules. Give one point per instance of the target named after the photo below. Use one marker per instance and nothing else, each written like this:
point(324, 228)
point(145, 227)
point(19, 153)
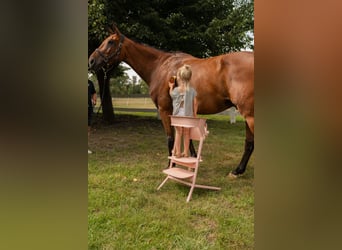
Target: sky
point(130, 72)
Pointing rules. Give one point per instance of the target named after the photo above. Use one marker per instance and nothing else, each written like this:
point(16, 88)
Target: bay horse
point(221, 82)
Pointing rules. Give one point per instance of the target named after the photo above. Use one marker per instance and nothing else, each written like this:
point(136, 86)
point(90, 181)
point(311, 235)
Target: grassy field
point(125, 210)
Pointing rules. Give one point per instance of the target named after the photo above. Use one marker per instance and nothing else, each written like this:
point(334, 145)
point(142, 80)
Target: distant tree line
point(125, 86)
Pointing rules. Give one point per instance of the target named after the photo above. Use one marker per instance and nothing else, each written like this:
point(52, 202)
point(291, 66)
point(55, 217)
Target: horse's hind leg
point(249, 147)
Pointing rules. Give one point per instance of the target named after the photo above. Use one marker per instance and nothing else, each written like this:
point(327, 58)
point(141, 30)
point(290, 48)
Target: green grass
point(125, 210)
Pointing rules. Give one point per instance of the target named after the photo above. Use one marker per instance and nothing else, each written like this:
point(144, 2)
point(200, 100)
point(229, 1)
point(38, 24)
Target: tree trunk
point(106, 98)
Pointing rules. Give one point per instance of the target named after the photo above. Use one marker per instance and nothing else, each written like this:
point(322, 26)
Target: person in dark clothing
point(91, 103)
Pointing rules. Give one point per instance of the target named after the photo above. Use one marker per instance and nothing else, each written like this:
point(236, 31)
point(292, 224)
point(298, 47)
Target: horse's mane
point(114, 28)
point(174, 53)
point(146, 45)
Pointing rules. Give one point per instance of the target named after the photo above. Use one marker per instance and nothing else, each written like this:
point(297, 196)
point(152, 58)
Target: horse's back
point(220, 81)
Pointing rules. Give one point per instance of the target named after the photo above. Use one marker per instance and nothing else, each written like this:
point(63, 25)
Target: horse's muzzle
point(91, 63)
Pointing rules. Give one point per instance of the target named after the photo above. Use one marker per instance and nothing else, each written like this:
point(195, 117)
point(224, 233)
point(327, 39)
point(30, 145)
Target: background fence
point(145, 104)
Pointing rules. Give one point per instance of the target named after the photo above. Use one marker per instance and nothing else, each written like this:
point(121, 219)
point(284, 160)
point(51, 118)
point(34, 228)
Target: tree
point(201, 28)
point(97, 23)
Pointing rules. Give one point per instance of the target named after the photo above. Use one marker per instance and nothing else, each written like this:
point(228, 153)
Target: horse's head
point(107, 54)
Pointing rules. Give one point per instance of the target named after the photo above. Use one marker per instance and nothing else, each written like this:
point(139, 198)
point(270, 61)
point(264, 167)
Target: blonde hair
point(185, 73)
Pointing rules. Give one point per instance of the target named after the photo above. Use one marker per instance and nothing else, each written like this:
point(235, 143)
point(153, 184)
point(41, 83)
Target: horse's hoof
point(232, 176)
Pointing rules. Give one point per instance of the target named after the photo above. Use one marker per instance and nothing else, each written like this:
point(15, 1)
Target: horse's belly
point(213, 107)
point(211, 110)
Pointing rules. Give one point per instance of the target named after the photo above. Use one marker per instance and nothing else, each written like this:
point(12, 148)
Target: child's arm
point(195, 106)
point(171, 84)
point(171, 88)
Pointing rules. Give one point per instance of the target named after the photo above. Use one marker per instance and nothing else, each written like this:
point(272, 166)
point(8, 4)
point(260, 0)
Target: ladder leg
point(163, 182)
point(190, 193)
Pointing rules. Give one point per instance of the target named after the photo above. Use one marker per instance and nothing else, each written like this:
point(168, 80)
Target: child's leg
point(178, 137)
point(186, 134)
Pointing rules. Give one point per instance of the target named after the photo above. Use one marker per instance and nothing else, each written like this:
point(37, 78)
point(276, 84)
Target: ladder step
point(179, 173)
point(184, 159)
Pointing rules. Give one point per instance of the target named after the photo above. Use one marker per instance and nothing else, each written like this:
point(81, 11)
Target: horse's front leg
point(166, 121)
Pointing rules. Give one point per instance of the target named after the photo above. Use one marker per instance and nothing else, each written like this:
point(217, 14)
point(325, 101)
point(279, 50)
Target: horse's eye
point(110, 42)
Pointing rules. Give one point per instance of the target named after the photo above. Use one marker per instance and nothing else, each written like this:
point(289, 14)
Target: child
point(184, 104)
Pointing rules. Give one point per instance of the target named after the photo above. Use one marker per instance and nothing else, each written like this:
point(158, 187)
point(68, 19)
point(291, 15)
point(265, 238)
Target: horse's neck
point(143, 59)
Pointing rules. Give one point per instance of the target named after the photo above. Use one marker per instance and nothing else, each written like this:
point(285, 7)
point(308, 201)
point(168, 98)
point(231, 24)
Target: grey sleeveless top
point(187, 97)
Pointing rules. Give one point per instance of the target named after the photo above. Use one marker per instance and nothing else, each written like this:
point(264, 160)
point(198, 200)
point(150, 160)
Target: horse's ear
point(114, 29)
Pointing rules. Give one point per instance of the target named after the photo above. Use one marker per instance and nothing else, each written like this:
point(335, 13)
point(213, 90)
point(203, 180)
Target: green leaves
point(201, 28)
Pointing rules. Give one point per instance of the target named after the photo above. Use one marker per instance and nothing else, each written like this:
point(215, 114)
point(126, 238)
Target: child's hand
point(172, 81)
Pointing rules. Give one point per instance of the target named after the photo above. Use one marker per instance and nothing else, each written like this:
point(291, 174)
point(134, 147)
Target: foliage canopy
point(201, 28)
